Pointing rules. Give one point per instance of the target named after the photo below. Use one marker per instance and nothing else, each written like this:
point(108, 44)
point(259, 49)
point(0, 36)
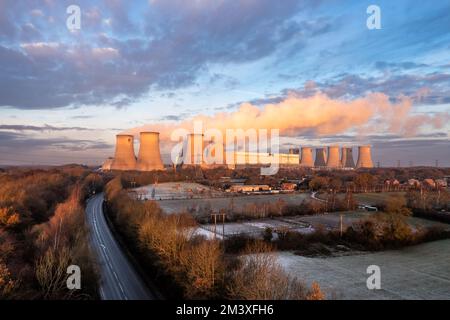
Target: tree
point(318, 183)
point(8, 217)
point(268, 234)
point(397, 205)
point(7, 283)
point(315, 292)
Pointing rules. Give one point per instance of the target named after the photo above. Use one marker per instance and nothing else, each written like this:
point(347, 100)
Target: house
point(414, 183)
point(288, 186)
point(429, 183)
point(250, 188)
point(442, 183)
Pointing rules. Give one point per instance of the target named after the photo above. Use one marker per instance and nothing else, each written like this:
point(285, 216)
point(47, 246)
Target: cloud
point(168, 48)
point(395, 66)
point(318, 115)
point(18, 141)
point(44, 128)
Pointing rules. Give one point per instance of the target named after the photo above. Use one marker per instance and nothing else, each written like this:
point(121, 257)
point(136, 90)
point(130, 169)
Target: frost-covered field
point(175, 190)
point(257, 227)
point(419, 272)
point(227, 201)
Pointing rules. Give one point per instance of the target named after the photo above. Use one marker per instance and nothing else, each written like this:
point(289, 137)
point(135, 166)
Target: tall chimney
point(347, 157)
point(149, 157)
point(333, 157)
point(306, 159)
point(320, 157)
point(364, 157)
point(124, 158)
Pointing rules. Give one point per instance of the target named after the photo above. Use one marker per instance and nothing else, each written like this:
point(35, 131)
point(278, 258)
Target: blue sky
point(64, 95)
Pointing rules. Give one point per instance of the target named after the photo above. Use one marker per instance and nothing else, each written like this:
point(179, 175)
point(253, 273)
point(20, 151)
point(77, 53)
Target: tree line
point(187, 265)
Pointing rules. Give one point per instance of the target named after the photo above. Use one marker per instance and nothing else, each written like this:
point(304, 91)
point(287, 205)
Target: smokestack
point(306, 159)
point(364, 157)
point(149, 157)
point(320, 157)
point(194, 149)
point(333, 157)
point(347, 157)
point(124, 158)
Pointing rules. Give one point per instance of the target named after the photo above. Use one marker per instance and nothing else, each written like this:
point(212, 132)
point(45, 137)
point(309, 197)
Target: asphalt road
point(119, 280)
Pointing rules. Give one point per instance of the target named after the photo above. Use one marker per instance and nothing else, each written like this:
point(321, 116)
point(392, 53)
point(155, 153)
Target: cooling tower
point(320, 157)
point(364, 157)
point(347, 157)
point(124, 158)
point(333, 157)
point(149, 157)
point(194, 149)
point(306, 159)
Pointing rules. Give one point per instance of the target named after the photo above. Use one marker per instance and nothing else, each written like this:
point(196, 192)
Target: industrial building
point(307, 157)
point(149, 157)
point(364, 157)
point(196, 152)
point(347, 157)
point(333, 160)
point(124, 157)
point(320, 161)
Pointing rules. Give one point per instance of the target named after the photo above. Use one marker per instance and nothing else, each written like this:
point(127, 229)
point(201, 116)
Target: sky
point(310, 68)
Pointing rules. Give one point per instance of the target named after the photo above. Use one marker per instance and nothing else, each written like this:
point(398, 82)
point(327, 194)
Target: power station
point(364, 157)
point(333, 160)
point(124, 158)
point(321, 156)
point(196, 152)
point(149, 157)
point(347, 158)
point(306, 159)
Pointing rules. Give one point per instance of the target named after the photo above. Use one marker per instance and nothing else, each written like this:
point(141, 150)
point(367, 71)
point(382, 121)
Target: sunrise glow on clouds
point(309, 67)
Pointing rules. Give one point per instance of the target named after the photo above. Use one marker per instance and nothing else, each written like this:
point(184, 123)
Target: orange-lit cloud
point(317, 115)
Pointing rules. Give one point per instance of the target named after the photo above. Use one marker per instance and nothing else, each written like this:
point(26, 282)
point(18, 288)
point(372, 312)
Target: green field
point(376, 199)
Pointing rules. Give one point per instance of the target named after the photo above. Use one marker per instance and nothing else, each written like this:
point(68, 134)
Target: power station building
point(364, 157)
point(149, 157)
point(321, 156)
point(197, 152)
point(333, 160)
point(306, 159)
point(124, 157)
point(347, 157)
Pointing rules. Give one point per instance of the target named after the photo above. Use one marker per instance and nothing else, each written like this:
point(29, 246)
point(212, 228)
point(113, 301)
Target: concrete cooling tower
point(347, 157)
point(124, 158)
point(149, 157)
point(306, 159)
point(194, 150)
point(333, 160)
point(364, 157)
point(320, 157)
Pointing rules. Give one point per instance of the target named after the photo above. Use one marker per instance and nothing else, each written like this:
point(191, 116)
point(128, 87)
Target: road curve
point(118, 278)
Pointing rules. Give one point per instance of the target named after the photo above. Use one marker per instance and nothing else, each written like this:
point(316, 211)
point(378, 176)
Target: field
point(376, 199)
point(201, 200)
point(174, 197)
point(418, 272)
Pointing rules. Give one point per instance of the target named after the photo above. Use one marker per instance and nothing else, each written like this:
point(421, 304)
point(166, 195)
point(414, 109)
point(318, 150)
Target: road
point(313, 196)
point(119, 280)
